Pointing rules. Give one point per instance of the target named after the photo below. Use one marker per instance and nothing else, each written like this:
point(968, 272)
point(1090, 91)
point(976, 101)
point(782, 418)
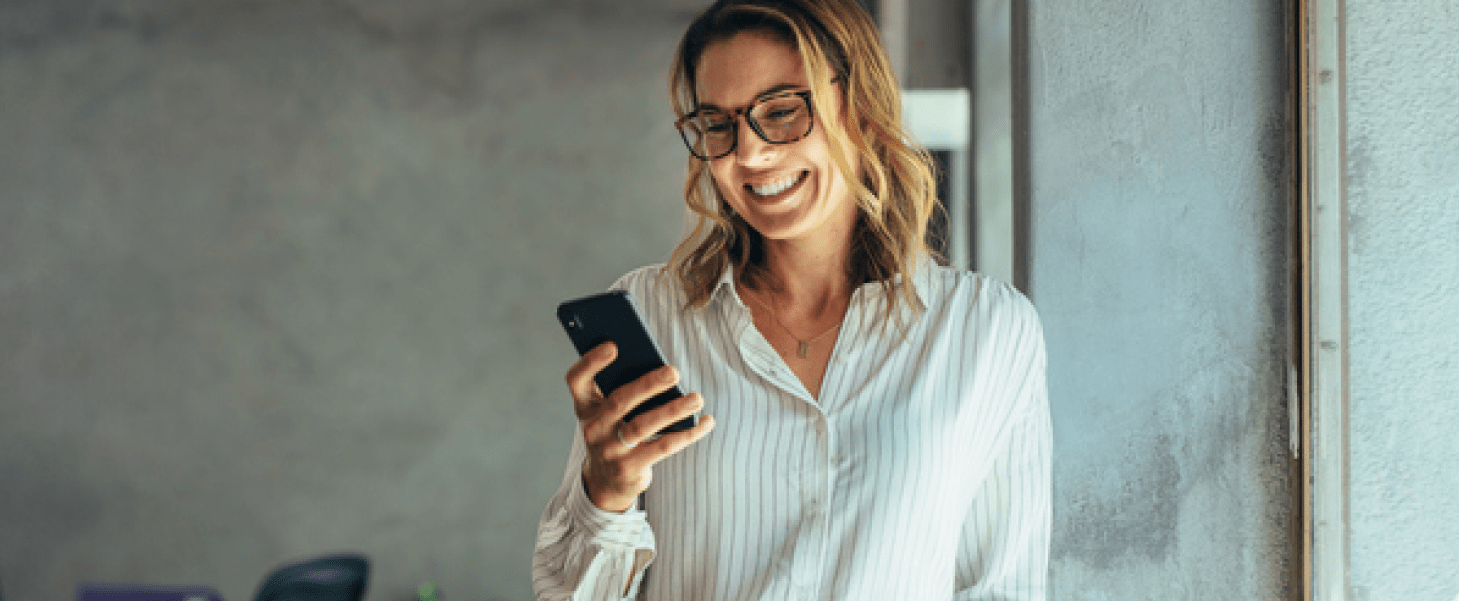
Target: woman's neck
point(803, 280)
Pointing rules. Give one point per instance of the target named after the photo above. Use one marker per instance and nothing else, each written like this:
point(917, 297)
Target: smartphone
point(591, 320)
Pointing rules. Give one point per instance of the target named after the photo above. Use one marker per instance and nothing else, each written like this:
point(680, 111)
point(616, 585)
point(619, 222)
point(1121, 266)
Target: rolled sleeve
point(584, 553)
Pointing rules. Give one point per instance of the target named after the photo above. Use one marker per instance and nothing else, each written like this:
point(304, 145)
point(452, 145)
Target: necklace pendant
point(805, 347)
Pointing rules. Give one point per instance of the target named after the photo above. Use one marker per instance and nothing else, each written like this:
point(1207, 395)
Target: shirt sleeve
point(584, 553)
point(1004, 551)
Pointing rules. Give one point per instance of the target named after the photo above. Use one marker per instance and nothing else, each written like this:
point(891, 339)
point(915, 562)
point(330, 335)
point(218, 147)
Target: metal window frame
point(1323, 348)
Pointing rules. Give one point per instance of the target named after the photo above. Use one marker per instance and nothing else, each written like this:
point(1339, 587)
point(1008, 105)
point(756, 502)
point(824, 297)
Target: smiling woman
point(883, 427)
point(816, 50)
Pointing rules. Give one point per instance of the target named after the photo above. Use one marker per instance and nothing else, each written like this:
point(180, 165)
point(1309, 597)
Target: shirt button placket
point(815, 527)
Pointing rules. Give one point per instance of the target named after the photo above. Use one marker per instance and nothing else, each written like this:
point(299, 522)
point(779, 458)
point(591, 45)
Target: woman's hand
point(620, 458)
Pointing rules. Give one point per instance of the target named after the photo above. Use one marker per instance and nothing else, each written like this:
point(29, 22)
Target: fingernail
point(668, 374)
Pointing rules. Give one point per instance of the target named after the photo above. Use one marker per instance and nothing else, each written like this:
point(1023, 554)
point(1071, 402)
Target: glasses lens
point(709, 133)
point(783, 118)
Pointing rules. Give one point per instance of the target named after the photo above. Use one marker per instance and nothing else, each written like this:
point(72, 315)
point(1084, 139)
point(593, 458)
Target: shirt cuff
point(627, 530)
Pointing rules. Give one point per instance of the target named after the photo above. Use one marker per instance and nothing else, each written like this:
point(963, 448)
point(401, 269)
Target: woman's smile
point(778, 186)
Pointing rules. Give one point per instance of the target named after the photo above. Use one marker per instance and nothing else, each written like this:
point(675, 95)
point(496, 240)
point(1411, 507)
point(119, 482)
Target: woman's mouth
point(778, 186)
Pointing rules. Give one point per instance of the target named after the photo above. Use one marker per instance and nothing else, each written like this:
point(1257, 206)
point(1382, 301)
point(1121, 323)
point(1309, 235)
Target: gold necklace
point(804, 346)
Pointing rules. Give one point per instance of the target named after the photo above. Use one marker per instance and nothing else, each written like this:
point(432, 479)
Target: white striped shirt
point(921, 473)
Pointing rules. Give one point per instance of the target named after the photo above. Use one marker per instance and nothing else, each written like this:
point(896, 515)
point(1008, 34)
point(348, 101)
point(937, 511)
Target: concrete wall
point(1403, 308)
point(278, 278)
point(1159, 172)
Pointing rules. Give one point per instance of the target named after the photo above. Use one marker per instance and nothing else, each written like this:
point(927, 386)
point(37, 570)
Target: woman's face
point(785, 191)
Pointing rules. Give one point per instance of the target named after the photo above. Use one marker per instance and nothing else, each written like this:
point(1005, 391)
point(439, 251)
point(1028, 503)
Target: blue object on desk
point(129, 592)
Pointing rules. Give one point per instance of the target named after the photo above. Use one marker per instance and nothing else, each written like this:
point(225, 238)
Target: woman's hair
point(896, 193)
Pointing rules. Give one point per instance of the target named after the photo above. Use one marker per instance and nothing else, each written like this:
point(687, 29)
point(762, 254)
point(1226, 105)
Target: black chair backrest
point(329, 578)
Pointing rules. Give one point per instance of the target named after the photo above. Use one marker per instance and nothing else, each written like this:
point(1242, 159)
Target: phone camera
point(574, 322)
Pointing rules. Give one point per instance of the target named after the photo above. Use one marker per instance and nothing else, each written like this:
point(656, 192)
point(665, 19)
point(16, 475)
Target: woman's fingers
point(673, 442)
point(589, 402)
point(614, 484)
point(646, 425)
point(580, 375)
point(621, 455)
point(628, 396)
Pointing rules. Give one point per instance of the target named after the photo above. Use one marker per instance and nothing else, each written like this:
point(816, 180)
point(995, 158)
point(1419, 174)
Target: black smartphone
point(591, 320)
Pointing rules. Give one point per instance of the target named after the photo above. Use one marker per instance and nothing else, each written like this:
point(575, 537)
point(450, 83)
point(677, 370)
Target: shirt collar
point(725, 287)
point(922, 278)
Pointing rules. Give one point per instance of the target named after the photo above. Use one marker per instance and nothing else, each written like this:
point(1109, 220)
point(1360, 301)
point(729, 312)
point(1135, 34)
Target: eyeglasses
point(712, 133)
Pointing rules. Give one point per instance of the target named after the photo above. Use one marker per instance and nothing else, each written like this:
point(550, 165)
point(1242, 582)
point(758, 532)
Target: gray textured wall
point(1159, 215)
point(278, 278)
point(1403, 311)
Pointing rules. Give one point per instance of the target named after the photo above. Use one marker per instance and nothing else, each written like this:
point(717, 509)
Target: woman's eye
point(782, 114)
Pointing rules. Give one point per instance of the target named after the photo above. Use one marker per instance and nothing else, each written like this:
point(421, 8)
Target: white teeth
point(774, 188)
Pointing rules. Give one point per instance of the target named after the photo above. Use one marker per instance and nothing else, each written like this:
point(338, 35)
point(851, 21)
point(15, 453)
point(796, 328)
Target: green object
point(428, 592)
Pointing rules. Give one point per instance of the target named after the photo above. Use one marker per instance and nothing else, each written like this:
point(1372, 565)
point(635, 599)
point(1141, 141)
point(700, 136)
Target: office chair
point(328, 578)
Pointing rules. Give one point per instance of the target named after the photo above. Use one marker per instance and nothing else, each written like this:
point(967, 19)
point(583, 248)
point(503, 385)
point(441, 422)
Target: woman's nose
point(751, 149)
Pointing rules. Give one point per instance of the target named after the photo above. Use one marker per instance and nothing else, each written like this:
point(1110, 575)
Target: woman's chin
point(790, 224)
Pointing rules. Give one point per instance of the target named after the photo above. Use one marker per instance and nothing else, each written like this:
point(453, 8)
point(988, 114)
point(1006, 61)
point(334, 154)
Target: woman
point(882, 422)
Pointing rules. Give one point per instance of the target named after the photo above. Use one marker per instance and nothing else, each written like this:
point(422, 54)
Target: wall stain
point(1098, 528)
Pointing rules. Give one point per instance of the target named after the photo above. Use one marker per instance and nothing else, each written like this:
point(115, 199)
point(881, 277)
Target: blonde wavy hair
point(895, 190)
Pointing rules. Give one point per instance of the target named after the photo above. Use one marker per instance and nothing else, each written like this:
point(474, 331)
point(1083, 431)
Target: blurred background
point(277, 279)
